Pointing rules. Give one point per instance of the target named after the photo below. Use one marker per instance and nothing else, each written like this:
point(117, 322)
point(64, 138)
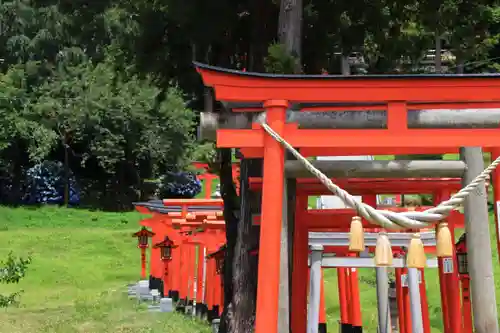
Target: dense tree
point(108, 89)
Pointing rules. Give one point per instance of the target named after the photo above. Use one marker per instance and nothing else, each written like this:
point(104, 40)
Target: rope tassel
point(356, 235)
point(383, 250)
point(416, 254)
point(444, 245)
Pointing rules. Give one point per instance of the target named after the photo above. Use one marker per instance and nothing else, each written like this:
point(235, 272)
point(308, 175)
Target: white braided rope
point(385, 218)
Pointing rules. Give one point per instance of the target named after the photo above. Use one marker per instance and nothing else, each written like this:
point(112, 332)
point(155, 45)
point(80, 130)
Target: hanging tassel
point(444, 245)
point(383, 250)
point(356, 236)
point(416, 254)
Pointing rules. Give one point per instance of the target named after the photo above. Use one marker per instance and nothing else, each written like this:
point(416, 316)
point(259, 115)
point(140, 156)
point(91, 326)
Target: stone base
point(166, 305)
point(142, 289)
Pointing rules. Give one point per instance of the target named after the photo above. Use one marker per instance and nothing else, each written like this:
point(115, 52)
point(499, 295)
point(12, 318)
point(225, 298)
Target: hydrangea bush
point(181, 184)
point(45, 184)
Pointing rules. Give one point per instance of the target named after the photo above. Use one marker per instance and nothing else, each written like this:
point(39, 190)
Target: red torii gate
point(394, 93)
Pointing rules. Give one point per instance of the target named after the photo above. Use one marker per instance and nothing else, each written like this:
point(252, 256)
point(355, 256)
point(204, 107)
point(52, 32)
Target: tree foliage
point(107, 88)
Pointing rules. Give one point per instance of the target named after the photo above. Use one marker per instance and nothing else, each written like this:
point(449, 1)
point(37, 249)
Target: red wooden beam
point(237, 86)
point(366, 138)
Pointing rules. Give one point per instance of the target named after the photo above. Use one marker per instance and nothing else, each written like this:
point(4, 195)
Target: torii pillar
point(271, 216)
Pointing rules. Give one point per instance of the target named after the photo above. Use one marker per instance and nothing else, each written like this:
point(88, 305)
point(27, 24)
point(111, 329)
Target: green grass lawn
point(82, 262)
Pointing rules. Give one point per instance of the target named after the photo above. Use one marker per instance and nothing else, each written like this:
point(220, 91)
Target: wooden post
point(300, 267)
point(495, 181)
point(384, 317)
point(284, 290)
point(268, 285)
point(176, 264)
point(314, 289)
point(453, 287)
point(209, 288)
point(200, 280)
point(406, 303)
point(357, 323)
point(400, 297)
point(415, 305)
point(143, 262)
point(322, 306)
point(165, 277)
point(348, 280)
point(344, 307)
point(425, 305)
point(467, 308)
point(484, 304)
point(438, 197)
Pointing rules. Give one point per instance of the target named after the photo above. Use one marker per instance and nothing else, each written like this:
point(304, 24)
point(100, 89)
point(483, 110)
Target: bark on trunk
point(437, 59)
point(290, 27)
point(66, 171)
point(240, 278)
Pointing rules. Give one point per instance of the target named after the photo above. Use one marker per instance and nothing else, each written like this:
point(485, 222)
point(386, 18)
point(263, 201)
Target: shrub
point(180, 184)
point(45, 184)
point(12, 271)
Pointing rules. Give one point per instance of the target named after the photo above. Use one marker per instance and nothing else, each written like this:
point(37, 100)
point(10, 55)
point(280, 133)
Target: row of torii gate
point(187, 255)
point(369, 115)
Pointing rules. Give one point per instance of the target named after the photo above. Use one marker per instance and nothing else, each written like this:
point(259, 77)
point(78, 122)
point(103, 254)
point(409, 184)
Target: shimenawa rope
point(384, 218)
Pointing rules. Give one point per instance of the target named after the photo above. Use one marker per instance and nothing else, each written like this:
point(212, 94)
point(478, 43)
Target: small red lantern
point(166, 248)
point(143, 236)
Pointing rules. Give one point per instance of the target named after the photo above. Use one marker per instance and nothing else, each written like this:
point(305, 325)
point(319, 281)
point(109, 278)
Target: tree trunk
point(290, 35)
point(66, 170)
point(240, 278)
point(290, 27)
point(231, 208)
point(437, 59)
point(345, 68)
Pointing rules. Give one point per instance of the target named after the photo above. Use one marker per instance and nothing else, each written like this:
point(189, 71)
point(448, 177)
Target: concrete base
point(142, 289)
point(166, 305)
point(133, 287)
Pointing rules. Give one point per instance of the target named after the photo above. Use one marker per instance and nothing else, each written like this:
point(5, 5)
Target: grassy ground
point(82, 262)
